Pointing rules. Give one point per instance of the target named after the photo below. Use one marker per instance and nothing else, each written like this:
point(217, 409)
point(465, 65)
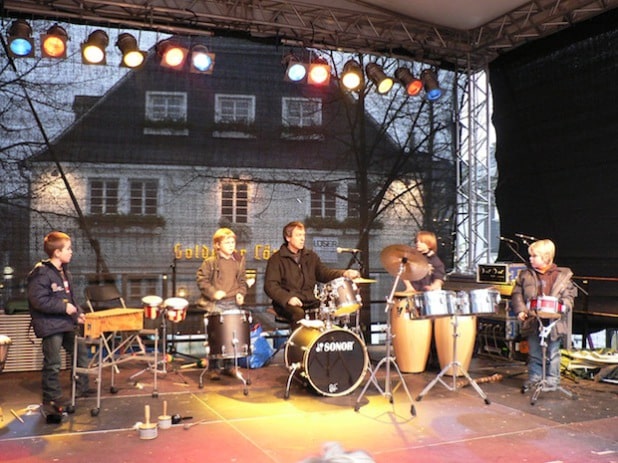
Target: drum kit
point(329, 359)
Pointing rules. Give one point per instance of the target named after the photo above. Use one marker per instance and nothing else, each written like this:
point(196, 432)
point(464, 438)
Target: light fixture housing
point(352, 76)
point(376, 74)
point(93, 49)
point(296, 70)
point(54, 42)
point(202, 61)
point(430, 82)
point(319, 72)
point(412, 84)
point(173, 55)
point(132, 56)
point(20, 42)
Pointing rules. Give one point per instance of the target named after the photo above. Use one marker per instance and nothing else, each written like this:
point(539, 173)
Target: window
point(353, 200)
point(143, 197)
point(103, 196)
point(323, 200)
point(166, 113)
point(234, 109)
point(301, 112)
point(234, 202)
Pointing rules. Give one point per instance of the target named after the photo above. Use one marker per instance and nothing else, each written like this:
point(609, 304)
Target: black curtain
point(556, 120)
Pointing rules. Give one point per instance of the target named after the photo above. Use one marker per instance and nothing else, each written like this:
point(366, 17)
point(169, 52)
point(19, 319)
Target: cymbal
point(415, 266)
point(363, 280)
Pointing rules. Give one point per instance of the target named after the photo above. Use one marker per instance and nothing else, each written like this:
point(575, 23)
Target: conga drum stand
point(542, 385)
point(457, 367)
point(388, 359)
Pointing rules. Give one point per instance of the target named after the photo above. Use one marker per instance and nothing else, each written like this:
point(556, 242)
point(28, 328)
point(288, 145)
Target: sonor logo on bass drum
point(335, 346)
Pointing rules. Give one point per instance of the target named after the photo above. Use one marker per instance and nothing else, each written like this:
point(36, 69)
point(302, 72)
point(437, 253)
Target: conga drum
point(411, 336)
point(466, 334)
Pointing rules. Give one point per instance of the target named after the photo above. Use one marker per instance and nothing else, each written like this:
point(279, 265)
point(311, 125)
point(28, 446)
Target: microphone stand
point(388, 359)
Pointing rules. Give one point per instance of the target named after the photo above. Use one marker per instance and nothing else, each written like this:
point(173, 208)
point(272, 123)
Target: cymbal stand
point(457, 367)
point(541, 386)
point(388, 359)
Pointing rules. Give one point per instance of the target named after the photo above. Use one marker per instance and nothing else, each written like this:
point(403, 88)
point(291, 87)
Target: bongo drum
point(176, 309)
point(152, 306)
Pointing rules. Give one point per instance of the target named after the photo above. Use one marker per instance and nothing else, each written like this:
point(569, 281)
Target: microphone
point(508, 240)
point(352, 250)
point(526, 237)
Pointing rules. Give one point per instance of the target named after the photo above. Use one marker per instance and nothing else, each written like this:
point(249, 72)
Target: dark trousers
point(52, 361)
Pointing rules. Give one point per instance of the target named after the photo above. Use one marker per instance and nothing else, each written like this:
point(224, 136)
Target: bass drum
point(332, 362)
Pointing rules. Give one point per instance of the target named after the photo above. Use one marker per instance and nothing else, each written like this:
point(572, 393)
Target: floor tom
point(228, 334)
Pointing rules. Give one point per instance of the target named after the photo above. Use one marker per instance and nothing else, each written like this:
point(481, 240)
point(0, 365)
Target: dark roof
point(111, 131)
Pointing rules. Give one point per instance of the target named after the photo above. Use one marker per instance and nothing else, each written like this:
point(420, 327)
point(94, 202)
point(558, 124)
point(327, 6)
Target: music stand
point(456, 366)
point(388, 359)
point(541, 386)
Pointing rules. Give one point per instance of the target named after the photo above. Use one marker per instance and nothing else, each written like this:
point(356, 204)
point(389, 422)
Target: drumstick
point(486, 379)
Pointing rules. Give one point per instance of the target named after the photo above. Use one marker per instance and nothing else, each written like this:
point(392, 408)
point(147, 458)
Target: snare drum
point(152, 306)
point(332, 362)
point(438, 303)
point(176, 309)
point(547, 307)
point(345, 296)
point(5, 343)
point(484, 301)
point(228, 334)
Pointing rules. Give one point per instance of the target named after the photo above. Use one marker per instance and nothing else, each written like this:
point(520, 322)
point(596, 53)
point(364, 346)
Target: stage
point(220, 423)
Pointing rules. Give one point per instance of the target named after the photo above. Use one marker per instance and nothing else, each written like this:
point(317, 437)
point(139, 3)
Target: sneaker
point(550, 387)
point(530, 384)
point(214, 375)
point(57, 403)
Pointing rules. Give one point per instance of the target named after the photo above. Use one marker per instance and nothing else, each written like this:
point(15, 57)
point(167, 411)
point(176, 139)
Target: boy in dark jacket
point(55, 315)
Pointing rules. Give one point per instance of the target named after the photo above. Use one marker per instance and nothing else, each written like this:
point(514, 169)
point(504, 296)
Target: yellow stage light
point(54, 42)
point(93, 50)
point(382, 82)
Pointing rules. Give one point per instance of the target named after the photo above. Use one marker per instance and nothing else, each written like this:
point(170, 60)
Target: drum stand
point(388, 359)
point(457, 367)
point(541, 386)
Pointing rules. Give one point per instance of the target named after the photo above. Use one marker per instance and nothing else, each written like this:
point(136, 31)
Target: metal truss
point(474, 174)
point(347, 25)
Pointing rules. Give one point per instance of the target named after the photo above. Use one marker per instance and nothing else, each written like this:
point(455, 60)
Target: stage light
point(430, 82)
point(54, 42)
point(295, 69)
point(412, 85)
point(202, 61)
point(352, 75)
point(93, 49)
point(319, 72)
point(132, 56)
point(172, 54)
point(382, 82)
point(21, 44)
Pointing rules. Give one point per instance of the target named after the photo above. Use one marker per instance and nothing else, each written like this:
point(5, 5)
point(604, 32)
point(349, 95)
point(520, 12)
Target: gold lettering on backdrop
point(201, 252)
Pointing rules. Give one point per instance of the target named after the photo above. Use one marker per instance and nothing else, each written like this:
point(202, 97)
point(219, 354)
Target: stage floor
point(223, 424)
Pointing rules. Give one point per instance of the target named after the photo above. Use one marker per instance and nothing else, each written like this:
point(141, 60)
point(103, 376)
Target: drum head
point(335, 362)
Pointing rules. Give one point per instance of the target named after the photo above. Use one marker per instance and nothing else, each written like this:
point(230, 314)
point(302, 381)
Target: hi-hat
point(415, 265)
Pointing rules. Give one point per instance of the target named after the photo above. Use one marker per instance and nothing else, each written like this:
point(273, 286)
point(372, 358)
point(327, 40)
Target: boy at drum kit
point(543, 279)
point(222, 283)
point(55, 317)
point(293, 272)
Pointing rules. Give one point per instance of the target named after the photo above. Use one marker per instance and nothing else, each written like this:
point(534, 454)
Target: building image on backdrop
point(165, 158)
